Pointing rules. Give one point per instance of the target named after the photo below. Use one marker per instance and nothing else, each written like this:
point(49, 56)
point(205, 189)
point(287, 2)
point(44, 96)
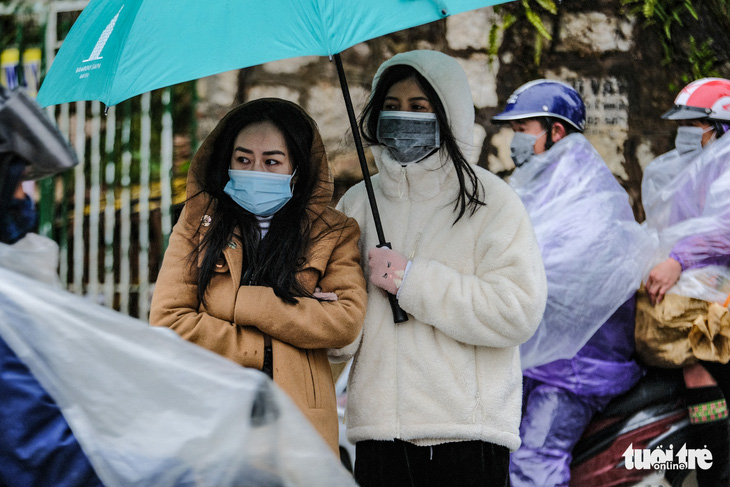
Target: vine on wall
point(680, 27)
point(530, 10)
point(667, 18)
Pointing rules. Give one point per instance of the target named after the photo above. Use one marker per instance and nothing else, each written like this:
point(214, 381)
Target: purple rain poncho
point(561, 398)
point(593, 249)
point(581, 355)
point(687, 206)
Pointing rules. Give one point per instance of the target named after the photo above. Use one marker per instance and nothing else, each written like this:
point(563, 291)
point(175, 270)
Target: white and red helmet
point(706, 98)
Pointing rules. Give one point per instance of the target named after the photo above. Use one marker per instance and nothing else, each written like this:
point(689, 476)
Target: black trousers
point(402, 464)
point(715, 435)
point(721, 374)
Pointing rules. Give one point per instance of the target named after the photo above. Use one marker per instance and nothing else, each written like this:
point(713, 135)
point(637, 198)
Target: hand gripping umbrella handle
point(399, 316)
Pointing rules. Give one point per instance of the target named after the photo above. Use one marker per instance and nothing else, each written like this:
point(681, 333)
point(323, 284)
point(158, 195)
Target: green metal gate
point(112, 215)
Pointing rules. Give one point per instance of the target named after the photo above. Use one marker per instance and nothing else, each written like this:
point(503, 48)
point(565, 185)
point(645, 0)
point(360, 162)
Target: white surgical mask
point(522, 147)
point(689, 139)
point(261, 193)
point(409, 136)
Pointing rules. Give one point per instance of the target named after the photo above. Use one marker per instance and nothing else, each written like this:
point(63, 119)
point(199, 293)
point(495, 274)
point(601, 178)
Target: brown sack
point(679, 331)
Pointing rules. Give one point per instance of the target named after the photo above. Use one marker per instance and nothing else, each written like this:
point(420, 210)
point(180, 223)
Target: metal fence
point(112, 215)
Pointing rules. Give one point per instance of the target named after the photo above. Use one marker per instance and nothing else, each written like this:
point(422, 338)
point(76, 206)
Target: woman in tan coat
point(259, 268)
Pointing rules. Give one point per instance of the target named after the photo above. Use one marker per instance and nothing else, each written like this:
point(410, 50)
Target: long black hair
point(469, 195)
point(274, 260)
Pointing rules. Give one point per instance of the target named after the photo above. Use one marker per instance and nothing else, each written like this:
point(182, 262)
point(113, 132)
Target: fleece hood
point(203, 163)
point(448, 79)
point(435, 173)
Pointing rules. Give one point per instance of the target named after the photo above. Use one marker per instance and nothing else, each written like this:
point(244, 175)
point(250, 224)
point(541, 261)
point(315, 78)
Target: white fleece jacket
point(474, 292)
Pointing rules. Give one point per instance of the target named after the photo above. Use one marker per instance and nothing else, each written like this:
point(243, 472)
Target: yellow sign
point(9, 69)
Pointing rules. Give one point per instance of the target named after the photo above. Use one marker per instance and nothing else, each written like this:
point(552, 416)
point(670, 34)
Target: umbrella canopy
point(121, 48)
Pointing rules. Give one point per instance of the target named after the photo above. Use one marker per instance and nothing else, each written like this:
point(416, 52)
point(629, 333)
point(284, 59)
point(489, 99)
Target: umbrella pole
point(399, 315)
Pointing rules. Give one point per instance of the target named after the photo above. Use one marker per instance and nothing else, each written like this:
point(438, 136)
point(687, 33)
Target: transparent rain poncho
point(149, 408)
point(593, 249)
point(687, 206)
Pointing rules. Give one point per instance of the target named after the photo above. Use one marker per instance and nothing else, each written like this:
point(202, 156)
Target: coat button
point(232, 244)
point(205, 220)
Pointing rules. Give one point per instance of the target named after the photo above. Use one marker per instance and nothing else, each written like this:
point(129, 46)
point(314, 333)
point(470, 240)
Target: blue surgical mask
point(409, 136)
point(522, 147)
point(689, 139)
point(261, 193)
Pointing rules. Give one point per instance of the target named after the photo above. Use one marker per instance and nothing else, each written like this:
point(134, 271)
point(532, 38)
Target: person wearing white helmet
point(582, 353)
point(686, 199)
point(702, 112)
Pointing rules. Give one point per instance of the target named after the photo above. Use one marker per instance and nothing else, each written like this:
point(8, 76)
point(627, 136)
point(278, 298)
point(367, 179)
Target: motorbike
point(652, 415)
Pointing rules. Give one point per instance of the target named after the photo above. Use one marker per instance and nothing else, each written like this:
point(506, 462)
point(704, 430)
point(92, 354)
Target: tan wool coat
point(235, 318)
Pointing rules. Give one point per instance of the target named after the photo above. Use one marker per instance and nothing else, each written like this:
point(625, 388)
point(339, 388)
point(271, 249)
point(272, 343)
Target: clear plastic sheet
point(150, 409)
point(593, 249)
point(687, 206)
point(34, 256)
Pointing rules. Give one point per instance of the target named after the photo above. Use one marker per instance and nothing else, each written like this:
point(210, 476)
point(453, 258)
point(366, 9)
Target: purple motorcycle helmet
point(545, 98)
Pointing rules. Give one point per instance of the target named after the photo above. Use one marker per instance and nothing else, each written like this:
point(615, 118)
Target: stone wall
point(601, 51)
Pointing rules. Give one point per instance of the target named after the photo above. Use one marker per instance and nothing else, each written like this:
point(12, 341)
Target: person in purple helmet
point(592, 248)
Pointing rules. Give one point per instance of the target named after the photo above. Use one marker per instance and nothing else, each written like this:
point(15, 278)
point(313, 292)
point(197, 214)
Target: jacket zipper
point(415, 246)
point(403, 183)
point(397, 391)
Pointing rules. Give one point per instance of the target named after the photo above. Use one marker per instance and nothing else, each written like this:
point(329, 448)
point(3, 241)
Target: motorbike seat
point(658, 385)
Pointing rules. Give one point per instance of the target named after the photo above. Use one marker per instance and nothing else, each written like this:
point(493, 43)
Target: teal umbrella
point(121, 48)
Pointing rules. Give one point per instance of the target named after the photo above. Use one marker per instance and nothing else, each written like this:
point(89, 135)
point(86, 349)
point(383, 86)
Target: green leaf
point(509, 20)
point(548, 5)
point(649, 8)
point(690, 8)
point(538, 49)
point(493, 48)
point(536, 22)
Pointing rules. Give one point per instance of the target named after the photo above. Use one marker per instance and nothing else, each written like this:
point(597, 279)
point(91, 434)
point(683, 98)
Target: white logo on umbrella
point(96, 53)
